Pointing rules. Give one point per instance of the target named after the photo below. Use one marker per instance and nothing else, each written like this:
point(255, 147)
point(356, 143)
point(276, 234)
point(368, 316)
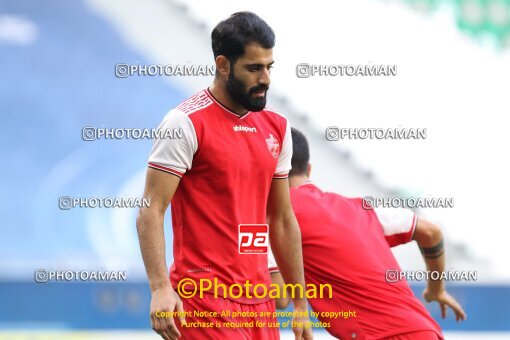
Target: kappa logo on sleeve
point(253, 238)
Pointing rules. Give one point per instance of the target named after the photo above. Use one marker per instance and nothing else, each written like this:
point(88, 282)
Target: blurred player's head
point(243, 51)
point(300, 158)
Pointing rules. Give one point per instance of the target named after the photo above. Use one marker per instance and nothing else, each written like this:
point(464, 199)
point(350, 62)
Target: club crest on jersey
point(273, 145)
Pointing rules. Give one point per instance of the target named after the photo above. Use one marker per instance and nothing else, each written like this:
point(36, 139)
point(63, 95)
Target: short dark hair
point(230, 36)
point(300, 153)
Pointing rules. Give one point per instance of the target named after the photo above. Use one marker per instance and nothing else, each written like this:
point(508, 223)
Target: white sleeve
point(271, 262)
point(398, 224)
point(284, 160)
point(173, 152)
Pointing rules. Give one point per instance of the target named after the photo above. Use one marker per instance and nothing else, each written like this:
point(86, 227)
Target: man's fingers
point(180, 310)
point(459, 312)
point(171, 328)
point(456, 310)
point(308, 334)
point(443, 310)
point(159, 328)
point(425, 296)
point(298, 333)
point(153, 322)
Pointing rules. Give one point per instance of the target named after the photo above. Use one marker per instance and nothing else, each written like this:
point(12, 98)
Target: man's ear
point(308, 170)
point(222, 65)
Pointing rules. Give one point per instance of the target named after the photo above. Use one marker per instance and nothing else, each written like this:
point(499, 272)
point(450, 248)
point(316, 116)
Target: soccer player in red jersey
point(228, 168)
point(348, 246)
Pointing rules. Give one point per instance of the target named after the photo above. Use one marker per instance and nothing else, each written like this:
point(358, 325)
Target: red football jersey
point(226, 163)
point(348, 247)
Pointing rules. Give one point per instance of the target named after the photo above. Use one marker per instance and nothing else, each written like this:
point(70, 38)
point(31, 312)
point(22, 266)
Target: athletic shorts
point(346, 329)
point(421, 335)
point(227, 327)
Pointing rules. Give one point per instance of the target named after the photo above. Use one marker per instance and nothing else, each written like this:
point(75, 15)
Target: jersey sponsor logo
point(241, 128)
point(253, 238)
point(273, 145)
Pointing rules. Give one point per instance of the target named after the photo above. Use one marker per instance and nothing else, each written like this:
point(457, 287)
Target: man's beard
point(236, 88)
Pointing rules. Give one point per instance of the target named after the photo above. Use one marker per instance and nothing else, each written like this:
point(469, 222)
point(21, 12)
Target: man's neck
point(297, 180)
point(220, 94)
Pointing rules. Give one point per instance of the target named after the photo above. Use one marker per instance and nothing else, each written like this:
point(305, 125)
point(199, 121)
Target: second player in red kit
point(348, 246)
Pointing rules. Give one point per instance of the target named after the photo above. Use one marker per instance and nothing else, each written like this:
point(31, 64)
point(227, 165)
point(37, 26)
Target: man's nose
point(265, 78)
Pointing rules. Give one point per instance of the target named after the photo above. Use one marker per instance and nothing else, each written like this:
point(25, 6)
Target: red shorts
point(225, 326)
point(421, 335)
point(346, 329)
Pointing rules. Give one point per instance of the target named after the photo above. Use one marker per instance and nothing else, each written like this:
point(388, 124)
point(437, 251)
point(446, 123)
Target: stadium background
point(57, 76)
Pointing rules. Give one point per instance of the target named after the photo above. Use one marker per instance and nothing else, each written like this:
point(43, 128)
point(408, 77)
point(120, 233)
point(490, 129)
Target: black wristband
point(434, 251)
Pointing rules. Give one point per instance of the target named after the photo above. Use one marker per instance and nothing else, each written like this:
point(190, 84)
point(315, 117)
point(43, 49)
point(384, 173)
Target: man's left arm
point(276, 279)
point(430, 240)
point(285, 238)
point(400, 226)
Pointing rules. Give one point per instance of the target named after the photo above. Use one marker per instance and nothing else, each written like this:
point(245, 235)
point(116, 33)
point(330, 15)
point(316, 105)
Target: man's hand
point(444, 299)
point(301, 325)
point(163, 300)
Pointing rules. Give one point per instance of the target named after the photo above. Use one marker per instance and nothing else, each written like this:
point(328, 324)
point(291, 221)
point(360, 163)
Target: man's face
point(248, 80)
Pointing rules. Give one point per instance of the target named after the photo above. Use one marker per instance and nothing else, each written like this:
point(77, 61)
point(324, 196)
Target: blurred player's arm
point(281, 302)
point(401, 226)
point(285, 239)
point(159, 188)
point(430, 240)
point(276, 278)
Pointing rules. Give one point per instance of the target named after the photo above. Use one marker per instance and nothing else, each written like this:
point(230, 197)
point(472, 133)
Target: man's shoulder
point(274, 113)
point(196, 103)
point(310, 191)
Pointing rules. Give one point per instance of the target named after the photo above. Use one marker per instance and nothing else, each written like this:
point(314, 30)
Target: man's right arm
point(159, 189)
